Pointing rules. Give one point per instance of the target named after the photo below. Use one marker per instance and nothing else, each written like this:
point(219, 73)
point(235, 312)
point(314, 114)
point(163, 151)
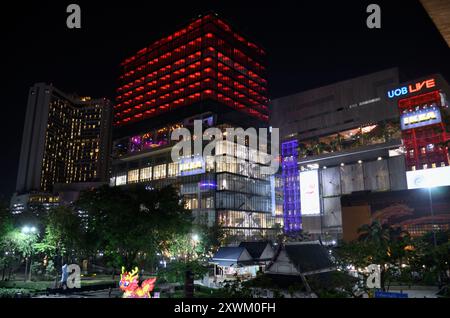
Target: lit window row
point(146, 174)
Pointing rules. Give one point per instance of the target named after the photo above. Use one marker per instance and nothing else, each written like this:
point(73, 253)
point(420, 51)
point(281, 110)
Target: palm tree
point(387, 244)
point(375, 232)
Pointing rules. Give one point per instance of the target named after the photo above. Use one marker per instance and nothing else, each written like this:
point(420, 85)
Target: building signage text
point(420, 118)
point(412, 88)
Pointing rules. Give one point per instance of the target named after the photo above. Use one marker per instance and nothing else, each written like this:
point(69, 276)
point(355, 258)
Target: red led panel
point(206, 60)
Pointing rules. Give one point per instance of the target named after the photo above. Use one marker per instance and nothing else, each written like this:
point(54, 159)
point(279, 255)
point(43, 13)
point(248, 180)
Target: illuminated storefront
point(336, 145)
point(336, 139)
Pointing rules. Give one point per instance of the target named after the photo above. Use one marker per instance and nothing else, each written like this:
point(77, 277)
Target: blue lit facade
point(291, 187)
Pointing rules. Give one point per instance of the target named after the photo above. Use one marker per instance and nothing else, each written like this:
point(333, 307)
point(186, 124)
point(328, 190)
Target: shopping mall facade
point(207, 73)
point(368, 134)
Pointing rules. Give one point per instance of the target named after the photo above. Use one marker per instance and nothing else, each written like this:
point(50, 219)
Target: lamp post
point(189, 278)
point(433, 228)
point(28, 230)
point(432, 217)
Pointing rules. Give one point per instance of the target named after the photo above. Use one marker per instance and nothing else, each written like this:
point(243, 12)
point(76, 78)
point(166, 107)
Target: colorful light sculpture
point(129, 284)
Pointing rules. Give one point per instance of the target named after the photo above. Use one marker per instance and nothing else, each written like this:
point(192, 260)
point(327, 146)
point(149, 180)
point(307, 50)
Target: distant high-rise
point(66, 139)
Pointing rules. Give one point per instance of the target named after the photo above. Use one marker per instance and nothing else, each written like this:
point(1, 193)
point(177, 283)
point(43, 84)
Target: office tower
point(204, 71)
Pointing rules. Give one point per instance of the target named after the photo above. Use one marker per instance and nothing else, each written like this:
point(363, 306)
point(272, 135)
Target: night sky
point(309, 44)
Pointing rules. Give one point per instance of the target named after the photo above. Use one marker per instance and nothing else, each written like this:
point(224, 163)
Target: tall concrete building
point(66, 139)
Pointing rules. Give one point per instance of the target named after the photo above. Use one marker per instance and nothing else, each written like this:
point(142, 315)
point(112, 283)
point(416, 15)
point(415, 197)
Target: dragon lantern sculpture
point(129, 284)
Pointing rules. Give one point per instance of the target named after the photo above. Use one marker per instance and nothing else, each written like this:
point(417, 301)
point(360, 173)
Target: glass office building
point(205, 71)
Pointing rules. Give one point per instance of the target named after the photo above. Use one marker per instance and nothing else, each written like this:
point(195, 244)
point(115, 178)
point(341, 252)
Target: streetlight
point(433, 225)
point(189, 278)
point(28, 230)
point(432, 216)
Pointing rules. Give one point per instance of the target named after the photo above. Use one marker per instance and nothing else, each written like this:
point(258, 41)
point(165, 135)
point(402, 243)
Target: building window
point(209, 163)
point(121, 179)
point(241, 151)
point(172, 169)
point(159, 172)
point(133, 176)
point(146, 174)
point(191, 203)
point(253, 155)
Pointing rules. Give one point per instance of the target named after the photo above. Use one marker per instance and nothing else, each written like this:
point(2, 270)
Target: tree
point(15, 246)
point(6, 220)
point(62, 241)
point(375, 232)
point(432, 262)
point(175, 271)
point(381, 244)
point(131, 226)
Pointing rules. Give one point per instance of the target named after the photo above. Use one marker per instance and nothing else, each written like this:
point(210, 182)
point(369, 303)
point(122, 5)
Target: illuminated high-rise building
point(66, 139)
point(204, 71)
point(204, 61)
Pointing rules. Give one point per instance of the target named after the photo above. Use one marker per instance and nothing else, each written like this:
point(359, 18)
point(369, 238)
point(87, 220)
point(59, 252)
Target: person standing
point(64, 276)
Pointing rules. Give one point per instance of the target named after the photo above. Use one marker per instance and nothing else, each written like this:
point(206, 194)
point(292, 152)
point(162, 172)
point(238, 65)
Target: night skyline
point(307, 47)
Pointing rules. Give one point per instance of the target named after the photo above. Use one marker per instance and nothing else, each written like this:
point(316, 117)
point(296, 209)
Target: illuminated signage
point(428, 178)
point(412, 88)
point(420, 118)
point(309, 192)
point(190, 166)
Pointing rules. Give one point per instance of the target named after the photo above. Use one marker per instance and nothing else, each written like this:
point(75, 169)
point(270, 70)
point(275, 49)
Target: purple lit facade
point(291, 187)
point(151, 140)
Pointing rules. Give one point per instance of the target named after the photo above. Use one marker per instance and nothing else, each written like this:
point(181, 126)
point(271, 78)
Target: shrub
point(14, 293)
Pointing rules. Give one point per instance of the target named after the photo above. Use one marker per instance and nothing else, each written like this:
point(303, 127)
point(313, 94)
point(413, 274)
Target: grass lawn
point(199, 292)
point(43, 285)
point(32, 286)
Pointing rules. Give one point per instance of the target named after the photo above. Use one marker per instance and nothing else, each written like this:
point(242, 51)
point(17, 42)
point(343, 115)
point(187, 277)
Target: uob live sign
point(412, 88)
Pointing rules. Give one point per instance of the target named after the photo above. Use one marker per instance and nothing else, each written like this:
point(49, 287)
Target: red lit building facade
point(205, 71)
point(423, 110)
point(206, 60)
